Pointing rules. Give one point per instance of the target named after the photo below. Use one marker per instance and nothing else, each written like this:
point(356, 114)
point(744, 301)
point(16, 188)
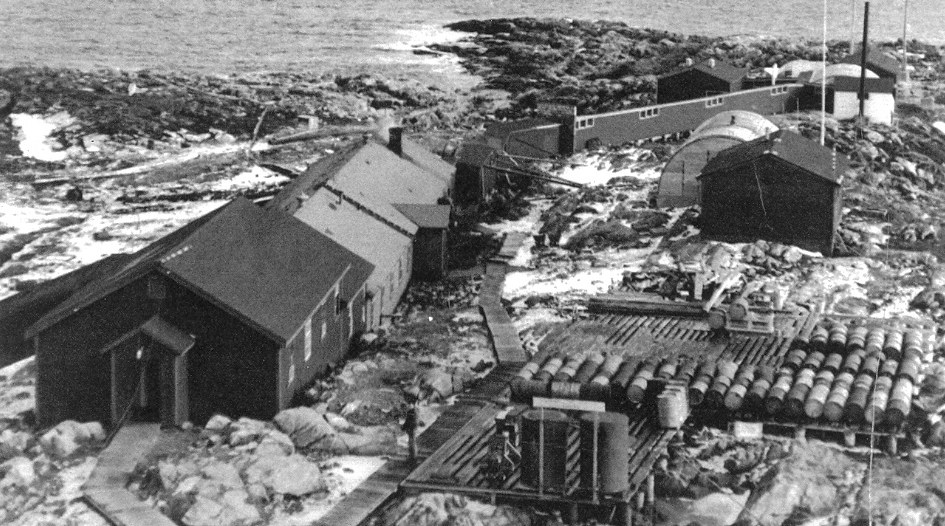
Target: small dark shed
point(474, 180)
point(232, 314)
point(429, 245)
point(877, 61)
point(707, 78)
point(781, 187)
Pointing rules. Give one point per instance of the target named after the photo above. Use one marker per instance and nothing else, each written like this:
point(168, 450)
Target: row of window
point(711, 103)
point(339, 306)
point(777, 90)
point(649, 113)
point(580, 124)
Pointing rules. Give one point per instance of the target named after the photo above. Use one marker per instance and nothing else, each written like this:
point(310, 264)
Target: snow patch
point(34, 135)
point(255, 177)
point(940, 126)
point(597, 169)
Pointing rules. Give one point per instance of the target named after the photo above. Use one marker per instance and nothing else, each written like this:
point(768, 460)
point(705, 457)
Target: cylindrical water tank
point(549, 462)
point(612, 450)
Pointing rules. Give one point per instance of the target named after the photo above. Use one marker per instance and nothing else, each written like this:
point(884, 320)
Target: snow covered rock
point(292, 475)
point(60, 441)
point(439, 381)
point(19, 472)
point(218, 423)
point(232, 510)
point(13, 443)
point(304, 425)
point(246, 430)
point(275, 443)
point(223, 474)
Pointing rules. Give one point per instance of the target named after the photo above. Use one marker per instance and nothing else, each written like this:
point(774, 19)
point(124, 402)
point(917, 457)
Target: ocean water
point(225, 36)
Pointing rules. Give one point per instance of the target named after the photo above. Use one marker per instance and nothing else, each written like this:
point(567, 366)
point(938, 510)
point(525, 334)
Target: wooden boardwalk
point(502, 332)
point(371, 495)
point(105, 490)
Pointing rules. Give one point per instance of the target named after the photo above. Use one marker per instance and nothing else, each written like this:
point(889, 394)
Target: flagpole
point(823, 84)
point(905, 53)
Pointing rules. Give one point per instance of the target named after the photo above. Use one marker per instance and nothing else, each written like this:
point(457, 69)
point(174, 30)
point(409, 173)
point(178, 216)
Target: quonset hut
point(679, 183)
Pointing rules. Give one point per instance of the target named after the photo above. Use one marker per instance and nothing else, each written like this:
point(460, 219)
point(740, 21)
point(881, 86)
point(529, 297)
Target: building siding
point(692, 84)
point(795, 207)
point(430, 253)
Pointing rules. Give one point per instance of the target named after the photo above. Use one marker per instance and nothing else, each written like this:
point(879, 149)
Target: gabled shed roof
point(789, 146)
point(876, 60)
point(719, 69)
point(426, 216)
point(264, 266)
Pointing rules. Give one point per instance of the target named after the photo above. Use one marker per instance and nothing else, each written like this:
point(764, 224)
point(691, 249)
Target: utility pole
point(823, 83)
point(866, 26)
point(905, 45)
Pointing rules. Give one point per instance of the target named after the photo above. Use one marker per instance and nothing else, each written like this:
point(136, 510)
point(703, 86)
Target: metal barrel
point(889, 368)
point(814, 405)
point(735, 396)
point(607, 370)
point(875, 412)
point(856, 338)
point(686, 371)
point(859, 395)
point(871, 365)
point(549, 456)
point(588, 368)
point(794, 401)
point(596, 392)
point(909, 368)
point(667, 370)
point(900, 402)
point(819, 338)
point(851, 364)
point(764, 377)
point(700, 385)
point(528, 371)
point(671, 406)
point(837, 398)
point(524, 390)
point(570, 390)
point(610, 452)
point(813, 360)
point(833, 363)
point(637, 388)
point(837, 340)
point(795, 359)
point(549, 368)
point(624, 374)
point(569, 369)
point(892, 347)
point(724, 377)
point(874, 340)
point(777, 393)
point(912, 342)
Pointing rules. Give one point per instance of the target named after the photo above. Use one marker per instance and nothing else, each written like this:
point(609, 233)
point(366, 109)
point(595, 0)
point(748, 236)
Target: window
point(292, 370)
point(649, 113)
point(779, 90)
point(308, 339)
point(717, 101)
point(340, 306)
point(580, 124)
point(324, 329)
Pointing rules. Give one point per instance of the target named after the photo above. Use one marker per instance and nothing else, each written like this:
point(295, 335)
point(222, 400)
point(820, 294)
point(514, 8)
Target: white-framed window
point(308, 339)
point(580, 124)
point(292, 370)
point(717, 101)
point(649, 113)
point(324, 329)
point(777, 90)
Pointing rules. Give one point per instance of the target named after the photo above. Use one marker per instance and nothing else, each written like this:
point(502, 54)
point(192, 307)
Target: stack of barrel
point(596, 376)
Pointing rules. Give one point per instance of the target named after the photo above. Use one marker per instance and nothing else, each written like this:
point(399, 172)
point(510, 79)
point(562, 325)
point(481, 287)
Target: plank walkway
point(371, 495)
point(105, 490)
point(504, 337)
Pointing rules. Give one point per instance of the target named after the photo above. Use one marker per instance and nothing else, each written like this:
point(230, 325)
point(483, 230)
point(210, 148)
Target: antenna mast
point(823, 83)
point(866, 26)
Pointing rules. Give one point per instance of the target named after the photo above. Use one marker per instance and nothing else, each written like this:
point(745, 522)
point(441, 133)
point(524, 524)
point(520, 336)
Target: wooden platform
point(456, 466)
point(502, 333)
point(368, 497)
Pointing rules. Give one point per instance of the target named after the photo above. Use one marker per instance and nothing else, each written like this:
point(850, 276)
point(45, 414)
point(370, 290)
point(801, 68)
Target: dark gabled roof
point(132, 268)
point(880, 85)
point(267, 266)
point(474, 153)
point(502, 129)
point(721, 70)
point(788, 146)
point(426, 216)
point(876, 60)
point(264, 266)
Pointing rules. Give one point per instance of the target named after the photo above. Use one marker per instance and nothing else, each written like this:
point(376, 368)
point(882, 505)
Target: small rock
point(217, 423)
point(19, 472)
point(304, 425)
point(292, 475)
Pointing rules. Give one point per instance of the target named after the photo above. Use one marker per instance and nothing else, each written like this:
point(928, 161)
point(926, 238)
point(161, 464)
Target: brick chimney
point(395, 138)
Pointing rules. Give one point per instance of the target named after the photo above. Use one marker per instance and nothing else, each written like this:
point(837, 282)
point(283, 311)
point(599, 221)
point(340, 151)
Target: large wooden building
point(781, 187)
point(233, 314)
point(703, 79)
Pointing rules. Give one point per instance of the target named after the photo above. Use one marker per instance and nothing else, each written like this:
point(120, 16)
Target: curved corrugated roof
point(840, 70)
point(754, 122)
point(796, 67)
point(678, 185)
